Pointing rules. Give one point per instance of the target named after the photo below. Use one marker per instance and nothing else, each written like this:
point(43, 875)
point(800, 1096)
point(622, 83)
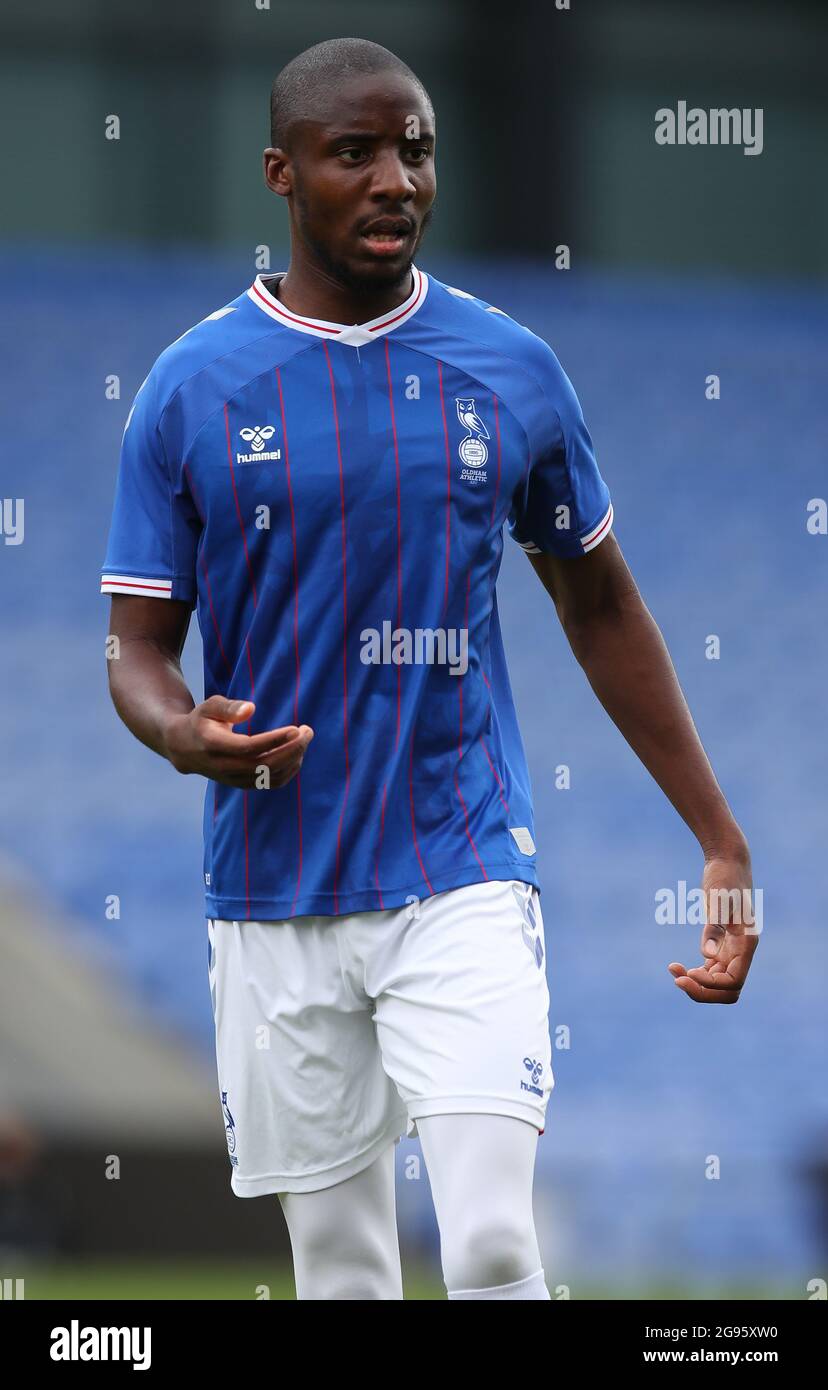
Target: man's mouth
point(387, 235)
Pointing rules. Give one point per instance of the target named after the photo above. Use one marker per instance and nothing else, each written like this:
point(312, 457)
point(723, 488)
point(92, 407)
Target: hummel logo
point(534, 1067)
point(535, 1070)
point(257, 437)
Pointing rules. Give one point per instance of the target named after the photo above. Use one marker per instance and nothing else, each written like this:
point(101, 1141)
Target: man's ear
point(277, 171)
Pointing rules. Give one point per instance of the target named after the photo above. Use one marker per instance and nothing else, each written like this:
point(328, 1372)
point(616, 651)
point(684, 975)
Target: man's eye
point(354, 151)
point(420, 153)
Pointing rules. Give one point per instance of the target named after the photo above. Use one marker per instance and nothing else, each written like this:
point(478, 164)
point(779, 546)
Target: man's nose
point(392, 178)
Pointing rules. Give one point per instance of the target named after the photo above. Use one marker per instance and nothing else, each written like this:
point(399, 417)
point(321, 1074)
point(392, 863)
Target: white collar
point(355, 335)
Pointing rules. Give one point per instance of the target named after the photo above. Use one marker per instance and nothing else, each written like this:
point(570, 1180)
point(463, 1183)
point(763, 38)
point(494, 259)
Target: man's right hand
point(202, 740)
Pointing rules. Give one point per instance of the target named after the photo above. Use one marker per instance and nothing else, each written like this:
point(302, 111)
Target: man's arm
point(152, 698)
point(621, 650)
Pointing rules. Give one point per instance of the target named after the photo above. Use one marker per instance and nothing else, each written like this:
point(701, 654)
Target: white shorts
point(335, 1034)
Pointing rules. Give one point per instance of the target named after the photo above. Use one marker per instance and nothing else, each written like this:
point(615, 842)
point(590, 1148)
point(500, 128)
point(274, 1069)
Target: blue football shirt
point(332, 500)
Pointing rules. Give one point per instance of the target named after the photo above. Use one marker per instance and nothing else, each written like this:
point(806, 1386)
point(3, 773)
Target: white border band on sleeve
point(129, 584)
point(599, 532)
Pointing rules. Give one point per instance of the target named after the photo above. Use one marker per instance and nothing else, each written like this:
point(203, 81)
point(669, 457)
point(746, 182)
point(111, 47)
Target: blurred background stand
point(111, 1136)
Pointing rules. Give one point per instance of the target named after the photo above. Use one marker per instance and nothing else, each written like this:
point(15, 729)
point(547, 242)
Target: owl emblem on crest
point(472, 450)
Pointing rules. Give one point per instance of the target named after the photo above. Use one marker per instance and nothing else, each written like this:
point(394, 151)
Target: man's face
point(360, 178)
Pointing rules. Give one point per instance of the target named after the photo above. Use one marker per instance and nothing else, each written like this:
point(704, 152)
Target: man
point(325, 467)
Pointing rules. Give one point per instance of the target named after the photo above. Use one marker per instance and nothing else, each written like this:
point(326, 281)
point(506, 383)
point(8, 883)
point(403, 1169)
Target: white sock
point(533, 1287)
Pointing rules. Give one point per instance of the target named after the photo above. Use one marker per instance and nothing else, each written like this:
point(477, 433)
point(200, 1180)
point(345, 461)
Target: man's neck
point(318, 295)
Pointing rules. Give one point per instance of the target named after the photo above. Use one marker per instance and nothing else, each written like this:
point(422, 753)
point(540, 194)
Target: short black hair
point(294, 89)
